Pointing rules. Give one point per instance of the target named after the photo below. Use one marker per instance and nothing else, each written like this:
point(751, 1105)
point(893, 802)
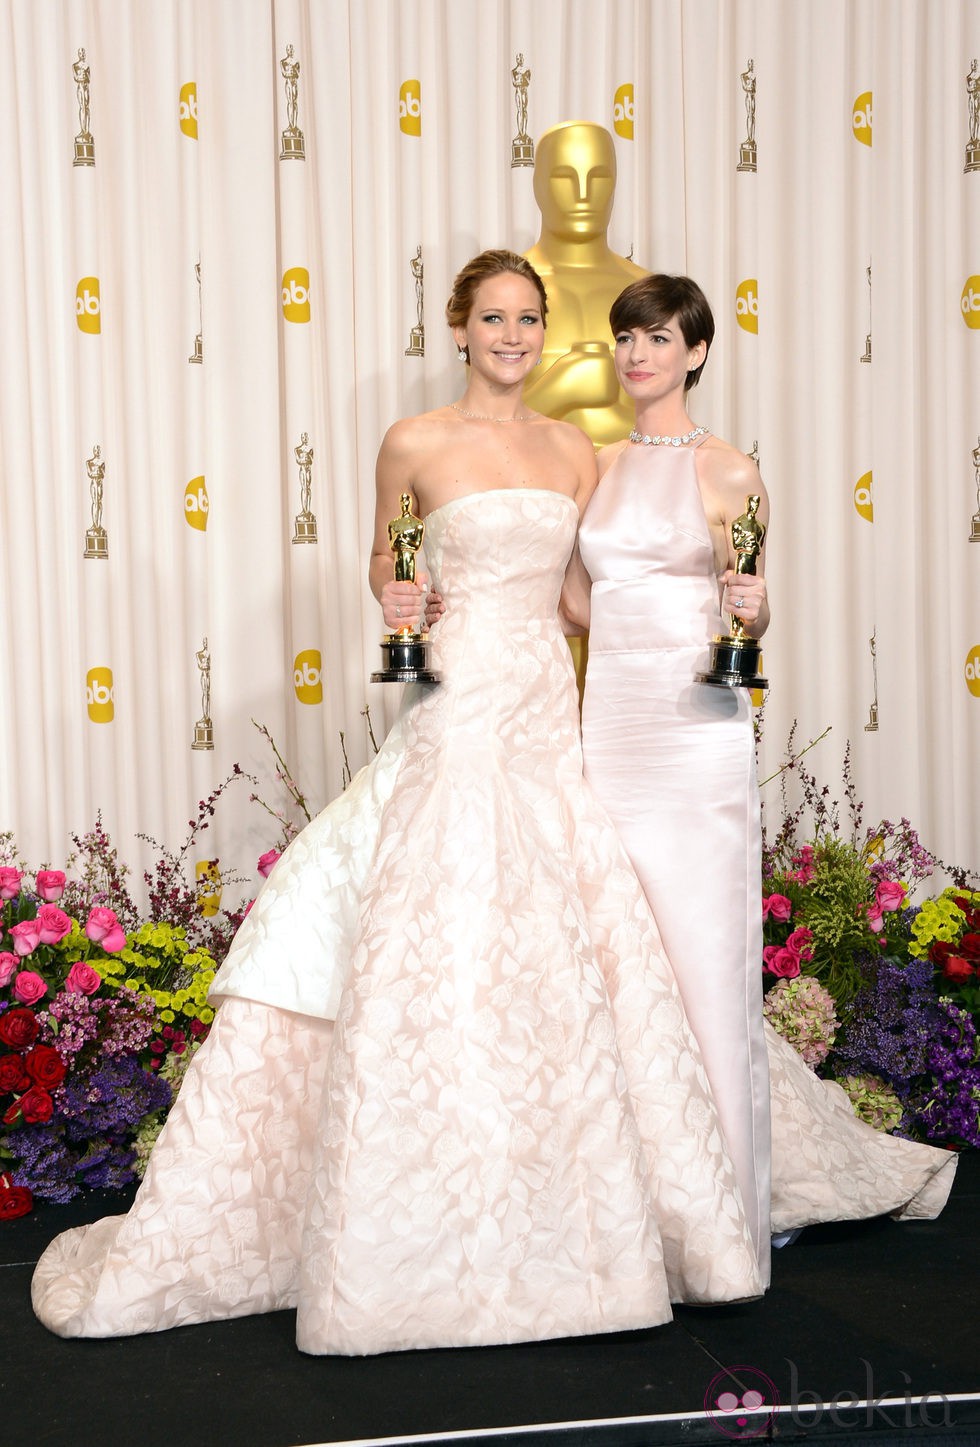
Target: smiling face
point(504, 332)
point(653, 363)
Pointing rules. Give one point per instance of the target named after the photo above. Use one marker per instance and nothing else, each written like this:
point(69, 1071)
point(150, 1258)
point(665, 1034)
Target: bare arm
point(394, 474)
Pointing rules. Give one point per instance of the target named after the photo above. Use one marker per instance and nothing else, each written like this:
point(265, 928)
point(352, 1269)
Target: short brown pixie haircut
point(653, 301)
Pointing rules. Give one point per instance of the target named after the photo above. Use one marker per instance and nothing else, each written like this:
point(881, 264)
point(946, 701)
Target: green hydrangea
point(873, 1101)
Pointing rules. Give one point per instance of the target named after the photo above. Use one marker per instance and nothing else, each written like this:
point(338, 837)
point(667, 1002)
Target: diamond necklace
point(649, 441)
point(482, 416)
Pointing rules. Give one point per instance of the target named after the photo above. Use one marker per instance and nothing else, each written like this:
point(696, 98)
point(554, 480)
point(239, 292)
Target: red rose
point(35, 1107)
point(14, 1200)
point(970, 946)
point(45, 1066)
point(940, 951)
point(18, 1028)
point(13, 1076)
point(958, 970)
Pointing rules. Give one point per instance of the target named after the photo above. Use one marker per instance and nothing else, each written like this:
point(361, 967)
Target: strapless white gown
point(507, 1134)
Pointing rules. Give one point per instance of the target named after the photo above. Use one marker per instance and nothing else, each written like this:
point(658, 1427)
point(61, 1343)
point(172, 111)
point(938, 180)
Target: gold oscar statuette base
point(867, 350)
point(198, 353)
point(747, 157)
point(96, 543)
point(203, 734)
point(416, 345)
point(84, 151)
point(292, 145)
point(972, 156)
point(405, 657)
point(871, 727)
point(522, 151)
point(975, 528)
point(734, 664)
point(304, 528)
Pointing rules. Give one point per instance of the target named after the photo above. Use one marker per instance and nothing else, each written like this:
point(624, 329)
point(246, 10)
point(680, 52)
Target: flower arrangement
point(875, 991)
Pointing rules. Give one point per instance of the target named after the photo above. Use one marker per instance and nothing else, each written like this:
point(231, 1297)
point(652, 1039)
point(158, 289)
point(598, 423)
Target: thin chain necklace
point(667, 441)
point(482, 416)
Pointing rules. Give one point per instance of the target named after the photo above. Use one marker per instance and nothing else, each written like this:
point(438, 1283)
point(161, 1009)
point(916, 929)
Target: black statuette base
point(405, 661)
point(734, 664)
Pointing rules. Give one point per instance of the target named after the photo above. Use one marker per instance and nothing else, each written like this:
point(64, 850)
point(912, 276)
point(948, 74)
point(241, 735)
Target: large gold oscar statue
point(574, 182)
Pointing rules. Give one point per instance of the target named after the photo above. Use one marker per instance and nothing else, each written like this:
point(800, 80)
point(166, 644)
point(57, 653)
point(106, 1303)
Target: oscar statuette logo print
point(293, 148)
point(99, 695)
point(747, 304)
point(187, 109)
point(198, 353)
point(203, 730)
point(196, 504)
point(861, 118)
point(971, 670)
point(304, 524)
point(623, 111)
point(521, 147)
point(970, 302)
point(308, 676)
point(84, 144)
point(747, 154)
point(863, 502)
point(296, 294)
point(88, 305)
point(975, 520)
point(410, 108)
point(973, 104)
point(871, 727)
point(96, 537)
point(416, 341)
point(867, 339)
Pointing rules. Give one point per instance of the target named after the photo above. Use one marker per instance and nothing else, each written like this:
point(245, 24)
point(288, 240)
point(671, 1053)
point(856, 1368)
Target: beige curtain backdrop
point(224, 584)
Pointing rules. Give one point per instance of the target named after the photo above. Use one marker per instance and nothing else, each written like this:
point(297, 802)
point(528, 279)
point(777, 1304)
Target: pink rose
point(8, 967)
point(50, 884)
point(890, 895)
point(776, 905)
point(54, 923)
point(82, 979)
point(785, 964)
point(874, 916)
point(798, 943)
point(769, 953)
point(9, 883)
point(29, 987)
point(102, 928)
point(267, 861)
point(26, 936)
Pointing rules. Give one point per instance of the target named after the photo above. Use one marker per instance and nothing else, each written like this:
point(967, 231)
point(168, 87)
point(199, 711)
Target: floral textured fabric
point(507, 1134)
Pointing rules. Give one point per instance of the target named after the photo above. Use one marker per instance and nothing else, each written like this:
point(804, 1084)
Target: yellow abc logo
point(88, 307)
point(861, 117)
point(206, 872)
point(410, 108)
point(187, 109)
point(970, 301)
point(623, 111)
point(971, 670)
point(98, 695)
point(296, 294)
point(196, 504)
point(863, 501)
point(307, 676)
point(747, 304)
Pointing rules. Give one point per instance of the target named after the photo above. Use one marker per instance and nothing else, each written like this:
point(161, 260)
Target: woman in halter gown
point(450, 1096)
point(672, 761)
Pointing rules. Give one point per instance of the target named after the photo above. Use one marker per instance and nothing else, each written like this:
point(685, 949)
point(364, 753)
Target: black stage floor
point(877, 1313)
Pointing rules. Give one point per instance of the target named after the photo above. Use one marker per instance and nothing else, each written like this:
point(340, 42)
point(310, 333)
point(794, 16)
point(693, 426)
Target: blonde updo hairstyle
point(489, 264)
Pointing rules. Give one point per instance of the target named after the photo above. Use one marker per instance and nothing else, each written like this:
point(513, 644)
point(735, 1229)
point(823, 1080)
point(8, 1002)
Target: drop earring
point(463, 354)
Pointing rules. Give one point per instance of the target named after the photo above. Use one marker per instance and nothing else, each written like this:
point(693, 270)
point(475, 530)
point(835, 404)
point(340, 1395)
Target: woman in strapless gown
point(450, 1096)
point(672, 760)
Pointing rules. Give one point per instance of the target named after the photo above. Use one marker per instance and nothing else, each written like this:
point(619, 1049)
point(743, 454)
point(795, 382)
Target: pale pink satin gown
point(673, 762)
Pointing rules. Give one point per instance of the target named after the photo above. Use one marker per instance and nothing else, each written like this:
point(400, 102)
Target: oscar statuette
point(405, 652)
point(734, 656)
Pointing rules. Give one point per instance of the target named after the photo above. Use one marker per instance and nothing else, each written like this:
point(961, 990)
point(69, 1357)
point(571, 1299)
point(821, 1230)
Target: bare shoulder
point(412, 437)
point(727, 471)
point(606, 456)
